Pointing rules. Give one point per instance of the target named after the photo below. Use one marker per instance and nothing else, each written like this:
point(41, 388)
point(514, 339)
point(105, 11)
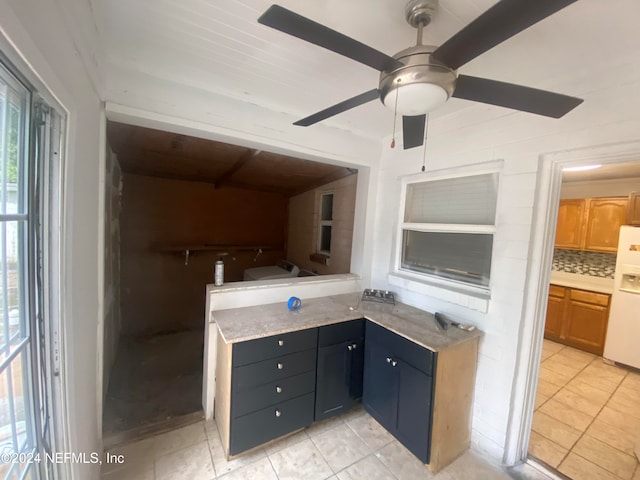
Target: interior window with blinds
point(448, 228)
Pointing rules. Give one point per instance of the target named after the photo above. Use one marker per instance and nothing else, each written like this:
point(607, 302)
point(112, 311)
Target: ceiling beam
point(331, 177)
point(241, 162)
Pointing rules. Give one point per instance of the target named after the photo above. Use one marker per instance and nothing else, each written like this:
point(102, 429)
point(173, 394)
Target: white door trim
point(539, 275)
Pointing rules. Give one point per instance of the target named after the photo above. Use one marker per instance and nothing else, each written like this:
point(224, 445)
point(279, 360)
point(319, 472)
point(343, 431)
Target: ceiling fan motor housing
point(420, 85)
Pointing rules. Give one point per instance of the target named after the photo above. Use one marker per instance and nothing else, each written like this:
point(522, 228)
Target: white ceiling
point(218, 45)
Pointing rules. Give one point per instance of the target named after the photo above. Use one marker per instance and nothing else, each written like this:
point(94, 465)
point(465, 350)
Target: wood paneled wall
point(159, 293)
point(302, 238)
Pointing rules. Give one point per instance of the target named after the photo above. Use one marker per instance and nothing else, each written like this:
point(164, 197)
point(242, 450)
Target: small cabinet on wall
point(577, 318)
point(590, 223)
point(633, 210)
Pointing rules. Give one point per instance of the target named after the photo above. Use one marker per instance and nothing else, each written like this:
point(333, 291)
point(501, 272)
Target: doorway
point(586, 414)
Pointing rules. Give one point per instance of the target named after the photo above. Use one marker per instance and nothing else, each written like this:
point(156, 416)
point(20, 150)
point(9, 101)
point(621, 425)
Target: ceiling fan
point(417, 80)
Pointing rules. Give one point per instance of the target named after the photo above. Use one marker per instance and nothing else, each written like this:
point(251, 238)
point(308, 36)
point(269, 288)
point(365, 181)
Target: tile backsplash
point(584, 263)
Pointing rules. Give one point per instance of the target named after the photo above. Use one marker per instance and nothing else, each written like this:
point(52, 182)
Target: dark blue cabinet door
point(414, 410)
point(380, 394)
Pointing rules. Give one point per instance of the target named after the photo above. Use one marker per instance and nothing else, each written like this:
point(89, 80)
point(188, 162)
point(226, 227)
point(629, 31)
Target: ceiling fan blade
point(290, 22)
point(500, 22)
point(513, 96)
point(339, 108)
point(413, 130)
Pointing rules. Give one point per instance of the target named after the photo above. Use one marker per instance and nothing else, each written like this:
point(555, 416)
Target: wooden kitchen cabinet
point(605, 217)
point(577, 318)
point(590, 223)
point(633, 209)
point(571, 223)
point(555, 313)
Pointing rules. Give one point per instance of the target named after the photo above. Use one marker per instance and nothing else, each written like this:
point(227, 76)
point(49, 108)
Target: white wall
point(482, 134)
point(34, 33)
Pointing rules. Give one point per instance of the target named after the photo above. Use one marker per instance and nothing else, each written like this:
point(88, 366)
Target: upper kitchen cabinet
point(570, 228)
point(633, 210)
point(590, 223)
point(605, 216)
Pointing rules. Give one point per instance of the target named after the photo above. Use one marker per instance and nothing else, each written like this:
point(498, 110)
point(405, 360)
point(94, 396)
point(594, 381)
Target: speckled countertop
point(248, 323)
point(583, 282)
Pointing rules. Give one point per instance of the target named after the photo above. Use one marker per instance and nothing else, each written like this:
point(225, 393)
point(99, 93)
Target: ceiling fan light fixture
point(415, 98)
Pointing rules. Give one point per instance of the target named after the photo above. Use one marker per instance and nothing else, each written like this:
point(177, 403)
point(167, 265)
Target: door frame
point(545, 215)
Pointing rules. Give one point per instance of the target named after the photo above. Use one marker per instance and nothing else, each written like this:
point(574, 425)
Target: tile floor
point(353, 446)
point(587, 416)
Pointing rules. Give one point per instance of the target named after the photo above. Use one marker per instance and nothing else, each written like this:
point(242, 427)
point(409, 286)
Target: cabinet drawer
point(260, 349)
point(340, 332)
point(259, 427)
point(262, 396)
point(590, 297)
point(273, 369)
point(412, 353)
point(556, 291)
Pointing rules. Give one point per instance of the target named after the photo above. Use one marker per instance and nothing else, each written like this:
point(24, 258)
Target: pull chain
point(424, 152)
point(395, 116)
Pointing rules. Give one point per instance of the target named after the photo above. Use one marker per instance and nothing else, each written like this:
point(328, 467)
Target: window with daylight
point(447, 229)
point(325, 224)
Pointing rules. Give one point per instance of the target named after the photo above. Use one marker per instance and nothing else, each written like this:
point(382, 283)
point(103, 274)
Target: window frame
point(324, 223)
point(494, 167)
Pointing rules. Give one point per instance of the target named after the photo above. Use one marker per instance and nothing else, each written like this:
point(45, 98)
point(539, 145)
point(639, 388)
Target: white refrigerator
point(623, 334)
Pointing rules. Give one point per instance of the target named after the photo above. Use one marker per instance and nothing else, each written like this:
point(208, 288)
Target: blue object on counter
point(294, 304)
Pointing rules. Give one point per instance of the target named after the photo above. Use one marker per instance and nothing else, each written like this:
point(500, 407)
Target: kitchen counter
point(583, 282)
point(248, 323)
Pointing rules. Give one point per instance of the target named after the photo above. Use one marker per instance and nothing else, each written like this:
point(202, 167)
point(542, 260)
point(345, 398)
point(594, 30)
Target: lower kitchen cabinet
point(340, 366)
point(577, 318)
point(397, 393)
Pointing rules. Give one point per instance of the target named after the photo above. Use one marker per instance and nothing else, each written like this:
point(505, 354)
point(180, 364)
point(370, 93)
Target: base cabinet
point(340, 367)
point(577, 318)
point(398, 388)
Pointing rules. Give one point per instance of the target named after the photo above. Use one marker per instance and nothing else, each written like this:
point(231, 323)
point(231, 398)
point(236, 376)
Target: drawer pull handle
point(281, 343)
point(278, 389)
point(353, 346)
point(278, 413)
point(280, 366)
point(392, 361)
point(388, 359)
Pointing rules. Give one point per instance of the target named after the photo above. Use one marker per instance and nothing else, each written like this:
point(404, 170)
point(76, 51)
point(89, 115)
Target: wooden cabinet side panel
point(222, 406)
point(554, 319)
point(453, 398)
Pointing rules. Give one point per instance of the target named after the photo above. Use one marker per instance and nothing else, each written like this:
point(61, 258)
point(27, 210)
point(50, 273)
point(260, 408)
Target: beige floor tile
point(625, 400)
point(369, 468)
point(578, 402)
point(370, 432)
point(262, 469)
point(545, 450)
point(620, 420)
point(551, 376)
point(471, 466)
point(341, 447)
point(601, 382)
point(577, 354)
point(540, 399)
point(401, 462)
point(179, 438)
point(302, 461)
point(546, 388)
point(220, 462)
point(285, 442)
point(190, 463)
point(551, 347)
point(614, 436)
point(586, 390)
point(578, 468)
point(566, 414)
point(607, 457)
point(632, 381)
point(600, 369)
point(560, 366)
point(140, 453)
point(636, 476)
point(554, 430)
point(324, 425)
point(131, 472)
